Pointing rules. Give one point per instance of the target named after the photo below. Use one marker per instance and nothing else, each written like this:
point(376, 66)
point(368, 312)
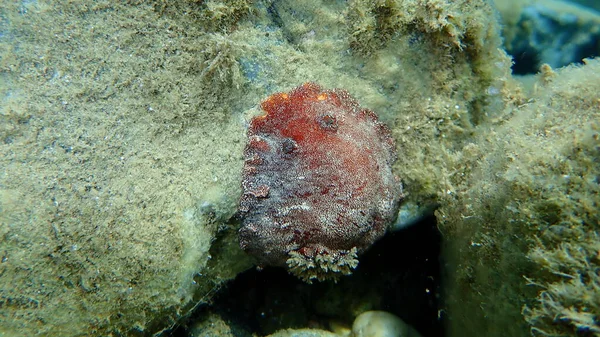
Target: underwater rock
point(112, 149)
point(317, 184)
point(211, 325)
point(303, 333)
point(381, 324)
point(523, 247)
point(411, 213)
point(367, 324)
point(554, 32)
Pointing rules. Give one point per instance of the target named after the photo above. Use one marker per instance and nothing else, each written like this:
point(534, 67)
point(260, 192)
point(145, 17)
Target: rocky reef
point(122, 130)
point(525, 222)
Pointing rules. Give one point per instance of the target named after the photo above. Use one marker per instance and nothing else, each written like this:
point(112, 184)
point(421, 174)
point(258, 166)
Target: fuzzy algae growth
point(525, 226)
point(119, 162)
point(122, 131)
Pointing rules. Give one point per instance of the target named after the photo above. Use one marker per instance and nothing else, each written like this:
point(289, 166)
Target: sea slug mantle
point(318, 187)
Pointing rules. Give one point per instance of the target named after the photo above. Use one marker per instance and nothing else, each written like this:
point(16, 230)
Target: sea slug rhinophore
point(318, 187)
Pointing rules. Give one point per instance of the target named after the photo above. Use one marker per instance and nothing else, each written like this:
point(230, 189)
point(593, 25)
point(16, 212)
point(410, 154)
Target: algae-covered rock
point(119, 166)
point(439, 65)
point(122, 129)
point(209, 326)
point(522, 234)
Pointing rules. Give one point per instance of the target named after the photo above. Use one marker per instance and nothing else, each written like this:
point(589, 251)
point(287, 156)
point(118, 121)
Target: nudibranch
point(318, 187)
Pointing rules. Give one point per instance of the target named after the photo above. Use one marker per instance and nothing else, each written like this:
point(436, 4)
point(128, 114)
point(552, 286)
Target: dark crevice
point(399, 274)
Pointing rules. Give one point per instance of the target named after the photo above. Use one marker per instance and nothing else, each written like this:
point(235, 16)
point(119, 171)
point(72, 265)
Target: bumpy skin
point(317, 182)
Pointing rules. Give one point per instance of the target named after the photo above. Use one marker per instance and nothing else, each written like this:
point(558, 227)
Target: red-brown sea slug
point(318, 187)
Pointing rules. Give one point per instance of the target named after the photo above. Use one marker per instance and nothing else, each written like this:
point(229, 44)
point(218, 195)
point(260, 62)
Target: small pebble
point(381, 324)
